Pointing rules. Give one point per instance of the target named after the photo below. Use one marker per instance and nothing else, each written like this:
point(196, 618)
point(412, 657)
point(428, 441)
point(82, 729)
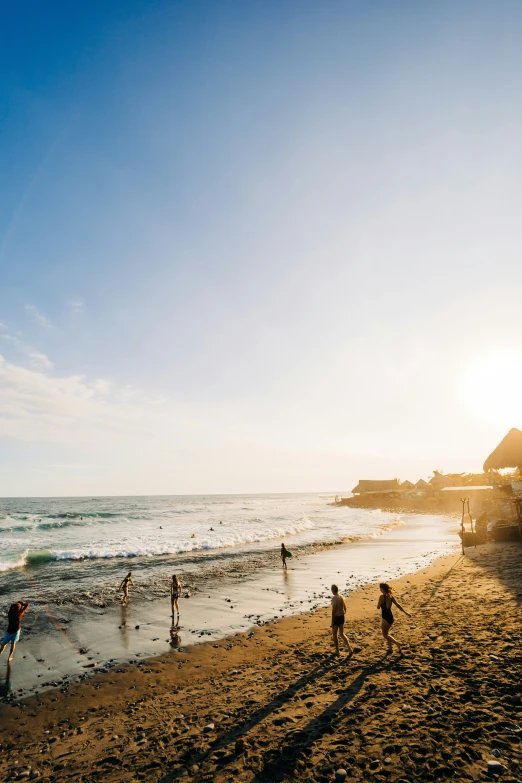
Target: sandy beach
point(273, 704)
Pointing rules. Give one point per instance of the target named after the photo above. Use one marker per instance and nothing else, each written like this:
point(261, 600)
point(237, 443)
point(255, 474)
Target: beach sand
point(273, 704)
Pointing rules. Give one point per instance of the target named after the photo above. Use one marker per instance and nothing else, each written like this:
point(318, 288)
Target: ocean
point(76, 549)
point(67, 556)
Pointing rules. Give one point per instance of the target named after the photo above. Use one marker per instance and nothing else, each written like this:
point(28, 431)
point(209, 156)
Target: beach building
point(508, 453)
point(371, 487)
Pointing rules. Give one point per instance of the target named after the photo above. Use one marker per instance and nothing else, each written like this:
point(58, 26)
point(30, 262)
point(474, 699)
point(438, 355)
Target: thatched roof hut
point(508, 453)
point(366, 485)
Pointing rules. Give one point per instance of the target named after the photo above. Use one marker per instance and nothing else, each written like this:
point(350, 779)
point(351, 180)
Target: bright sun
point(492, 388)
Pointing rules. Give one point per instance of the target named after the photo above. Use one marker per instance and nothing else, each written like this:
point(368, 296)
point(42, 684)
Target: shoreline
point(62, 643)
point(272, 703)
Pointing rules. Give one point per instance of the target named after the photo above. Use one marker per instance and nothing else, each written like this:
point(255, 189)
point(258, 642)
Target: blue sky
point(254, 246)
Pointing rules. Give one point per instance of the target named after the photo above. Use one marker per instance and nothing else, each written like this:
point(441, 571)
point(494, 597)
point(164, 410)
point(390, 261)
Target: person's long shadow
point(301, 739)
point(284, 761)
point(253, 719)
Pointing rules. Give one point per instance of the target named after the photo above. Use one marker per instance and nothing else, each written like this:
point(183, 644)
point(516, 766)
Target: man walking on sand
point(14, 619)
point(338, 614)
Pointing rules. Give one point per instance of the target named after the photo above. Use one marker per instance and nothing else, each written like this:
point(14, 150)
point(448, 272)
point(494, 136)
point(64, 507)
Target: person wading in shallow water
point(14, 619)
point(127, 582)
point(175, 592)
point(386, 601)
point(284, 555)
point(338, 616)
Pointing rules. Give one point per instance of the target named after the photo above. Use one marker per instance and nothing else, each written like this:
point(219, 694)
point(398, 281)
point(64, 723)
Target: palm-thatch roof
point(366, 485)
point(508, 453)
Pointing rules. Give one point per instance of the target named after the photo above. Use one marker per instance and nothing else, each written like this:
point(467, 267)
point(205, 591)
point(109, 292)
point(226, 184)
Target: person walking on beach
point(127, 582)
point(14, 619)
point(175, 593)
point(285, 554)
point(386, 601)
point(338, 617)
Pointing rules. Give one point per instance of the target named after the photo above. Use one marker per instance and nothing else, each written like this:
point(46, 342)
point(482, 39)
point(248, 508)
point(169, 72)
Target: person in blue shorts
point(14, 619)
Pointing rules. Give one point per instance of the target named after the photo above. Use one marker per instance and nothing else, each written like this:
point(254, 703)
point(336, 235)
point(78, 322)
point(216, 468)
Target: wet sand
point(273, 704)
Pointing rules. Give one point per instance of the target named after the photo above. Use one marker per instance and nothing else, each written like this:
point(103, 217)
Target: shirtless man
point(338, 616)
point(127, 582)
point(14, 618)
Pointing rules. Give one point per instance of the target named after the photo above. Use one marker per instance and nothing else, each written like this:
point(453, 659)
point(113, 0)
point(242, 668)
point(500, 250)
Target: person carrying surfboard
point(284, 554)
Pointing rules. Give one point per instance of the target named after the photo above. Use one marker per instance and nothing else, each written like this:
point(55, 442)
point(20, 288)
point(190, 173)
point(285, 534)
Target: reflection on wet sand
point(123, 627)
point(5, 688)
point(175, 639)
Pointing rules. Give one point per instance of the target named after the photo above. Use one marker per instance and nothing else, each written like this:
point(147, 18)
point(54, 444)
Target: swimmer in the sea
point(127, 582)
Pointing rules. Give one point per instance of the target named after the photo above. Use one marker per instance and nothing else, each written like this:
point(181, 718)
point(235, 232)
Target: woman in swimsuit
point(175, 592)
point(386, 601)
point(127, 582)
point(338, 615)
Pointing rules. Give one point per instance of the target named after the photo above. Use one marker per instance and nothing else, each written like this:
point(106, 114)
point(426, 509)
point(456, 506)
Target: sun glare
point(492, 388)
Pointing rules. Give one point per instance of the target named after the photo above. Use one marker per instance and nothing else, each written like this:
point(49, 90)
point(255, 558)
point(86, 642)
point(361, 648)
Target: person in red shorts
point(14, 618)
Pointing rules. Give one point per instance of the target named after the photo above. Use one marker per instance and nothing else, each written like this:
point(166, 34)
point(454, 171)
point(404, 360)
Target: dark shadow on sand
point(499, 559)
point(301, 738)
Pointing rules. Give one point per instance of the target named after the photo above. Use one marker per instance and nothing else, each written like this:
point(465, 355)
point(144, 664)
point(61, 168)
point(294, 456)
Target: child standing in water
point(386, 601)
point(338, 617)
point(175, 592)
point(127, 582)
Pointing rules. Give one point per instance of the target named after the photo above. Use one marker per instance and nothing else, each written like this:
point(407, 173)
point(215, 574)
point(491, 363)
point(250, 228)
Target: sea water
point(77, 549)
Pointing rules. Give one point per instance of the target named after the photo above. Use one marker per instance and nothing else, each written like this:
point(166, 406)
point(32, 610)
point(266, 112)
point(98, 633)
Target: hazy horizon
point(252, 248)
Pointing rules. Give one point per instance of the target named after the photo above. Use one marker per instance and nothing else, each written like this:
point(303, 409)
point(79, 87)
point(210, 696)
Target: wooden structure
point(367, 487)
point(508, 453)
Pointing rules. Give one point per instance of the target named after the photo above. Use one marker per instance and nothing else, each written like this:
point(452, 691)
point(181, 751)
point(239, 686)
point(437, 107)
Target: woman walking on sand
point(386, 601)
point(175, 592)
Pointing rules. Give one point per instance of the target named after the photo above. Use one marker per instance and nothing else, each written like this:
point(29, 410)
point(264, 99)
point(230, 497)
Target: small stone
point(209, 727)
point(494, 767)
point(340, 775)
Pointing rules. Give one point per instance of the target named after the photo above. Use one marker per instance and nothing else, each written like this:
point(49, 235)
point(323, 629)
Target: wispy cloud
point(36, 404)
point(40, 361)
point(75, 305)
point(39, 317)
point(36, 359)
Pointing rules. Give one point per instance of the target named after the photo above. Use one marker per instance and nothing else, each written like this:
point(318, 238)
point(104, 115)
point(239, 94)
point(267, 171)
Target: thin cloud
point(75, 305)
point(39, 317)
point(40, 361)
